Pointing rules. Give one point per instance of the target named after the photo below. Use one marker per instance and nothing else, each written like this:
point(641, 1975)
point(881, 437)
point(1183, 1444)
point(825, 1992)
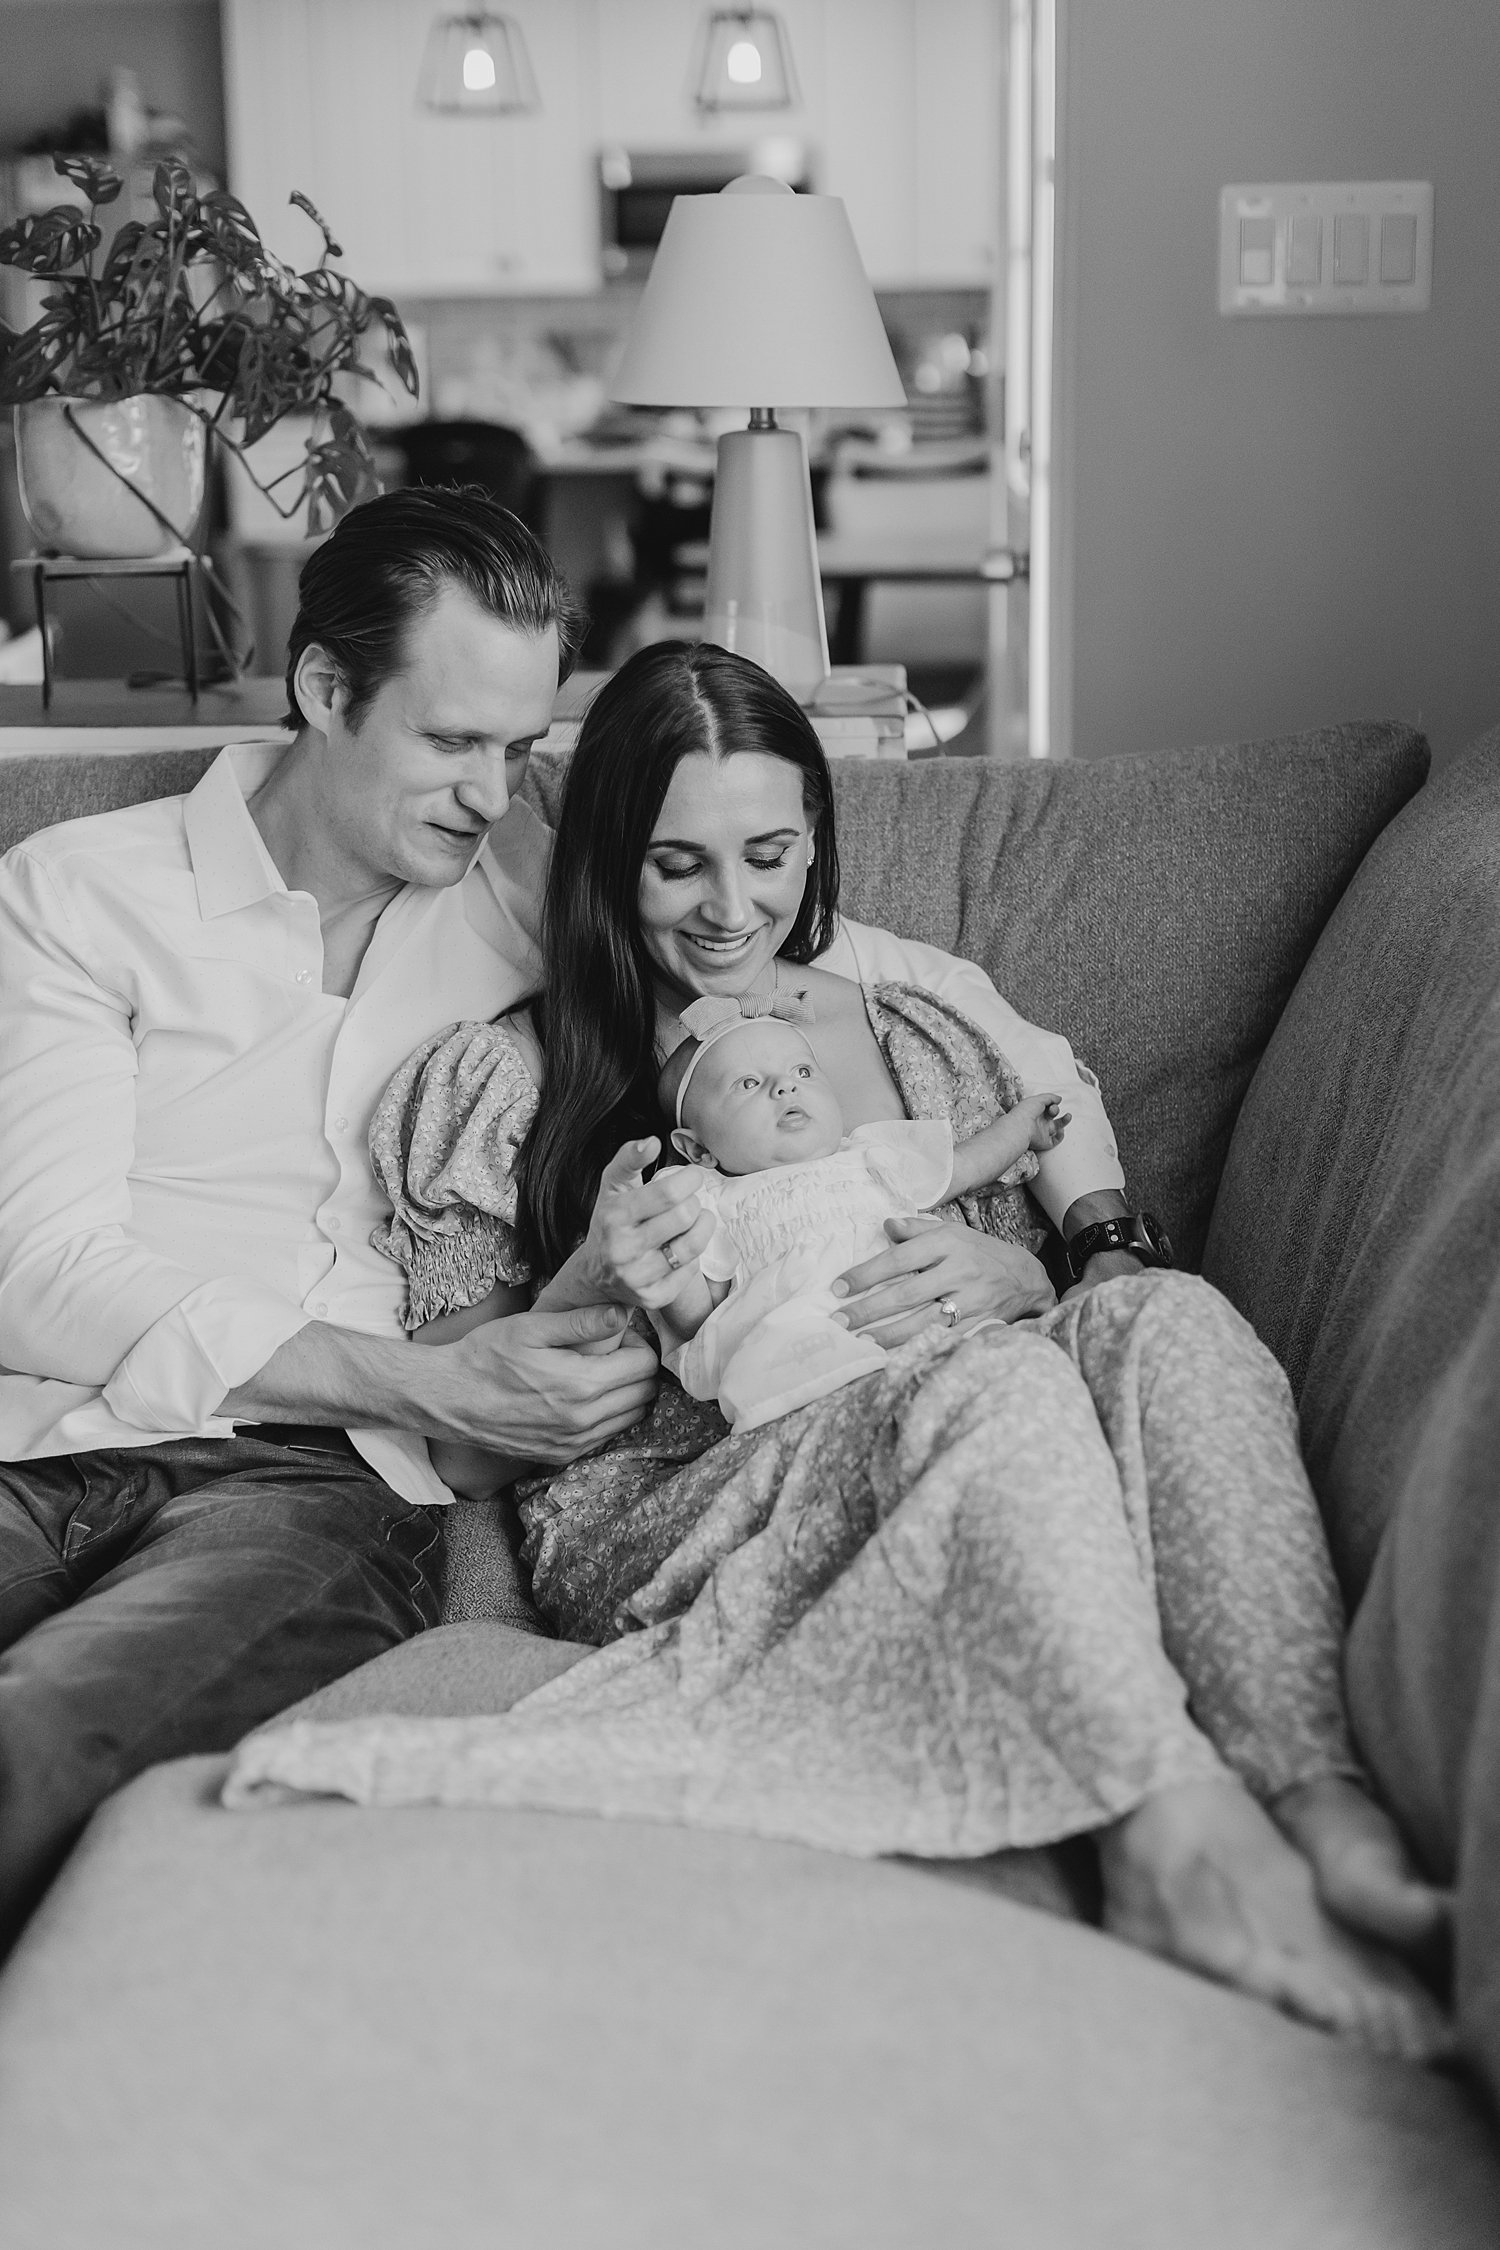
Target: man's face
point(436, 755)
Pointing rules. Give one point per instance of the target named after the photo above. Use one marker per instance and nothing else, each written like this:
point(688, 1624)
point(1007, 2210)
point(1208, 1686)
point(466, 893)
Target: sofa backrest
point(1158, 911)
point(37, 792)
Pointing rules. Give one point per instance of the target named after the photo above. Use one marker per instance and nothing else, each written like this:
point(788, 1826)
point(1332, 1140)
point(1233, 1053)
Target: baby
point(798, 1201)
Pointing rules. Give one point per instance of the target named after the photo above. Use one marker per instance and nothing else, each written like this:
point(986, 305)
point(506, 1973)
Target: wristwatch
point(1136, 1232)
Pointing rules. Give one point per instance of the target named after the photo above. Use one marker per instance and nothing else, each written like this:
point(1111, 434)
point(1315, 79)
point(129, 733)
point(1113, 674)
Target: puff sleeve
point(444, 1141)
point(913, 1159)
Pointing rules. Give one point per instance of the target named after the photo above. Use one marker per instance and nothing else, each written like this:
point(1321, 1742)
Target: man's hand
point(529, 1387)
point(895, 1295)
point(526, 1386)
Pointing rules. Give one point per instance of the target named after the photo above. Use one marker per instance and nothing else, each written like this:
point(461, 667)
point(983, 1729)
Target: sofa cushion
point(1158, 911)
point(356, 2030)
point(38, 792)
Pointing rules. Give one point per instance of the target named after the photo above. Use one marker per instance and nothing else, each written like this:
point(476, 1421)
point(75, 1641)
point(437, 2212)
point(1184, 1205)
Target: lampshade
point(757, 297)
point(477, 66)
point(746, 62)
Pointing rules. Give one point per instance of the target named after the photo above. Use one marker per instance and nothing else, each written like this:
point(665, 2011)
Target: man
point(201, 1000)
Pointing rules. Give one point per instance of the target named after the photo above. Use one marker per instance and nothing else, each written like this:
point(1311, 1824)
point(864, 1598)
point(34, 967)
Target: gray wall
point(1275, 523)
point(55, 53)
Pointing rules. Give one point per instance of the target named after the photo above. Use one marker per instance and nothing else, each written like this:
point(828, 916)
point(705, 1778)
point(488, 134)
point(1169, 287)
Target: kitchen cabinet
point(322, 97)
point(900, 107)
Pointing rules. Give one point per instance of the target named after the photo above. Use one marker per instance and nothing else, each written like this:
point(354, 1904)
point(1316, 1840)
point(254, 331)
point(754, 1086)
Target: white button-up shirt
point(184, 1180)
point(183, 1110)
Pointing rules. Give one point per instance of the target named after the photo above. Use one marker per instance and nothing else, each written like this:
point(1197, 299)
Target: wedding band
point(669, 1252)
point(948, 1307)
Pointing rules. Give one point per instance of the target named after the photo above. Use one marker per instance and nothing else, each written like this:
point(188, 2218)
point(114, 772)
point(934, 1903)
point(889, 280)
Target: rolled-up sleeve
point(82, 1300)
point(1086, 1160)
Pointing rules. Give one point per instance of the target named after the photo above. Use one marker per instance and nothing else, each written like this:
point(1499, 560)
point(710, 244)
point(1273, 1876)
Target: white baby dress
point(782, 1239)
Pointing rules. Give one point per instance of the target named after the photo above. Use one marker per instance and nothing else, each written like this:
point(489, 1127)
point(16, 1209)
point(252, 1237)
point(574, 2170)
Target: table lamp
point(757, 298)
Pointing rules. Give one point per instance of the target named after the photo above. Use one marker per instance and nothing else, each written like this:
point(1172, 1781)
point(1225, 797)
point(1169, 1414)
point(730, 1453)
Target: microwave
point(636, 188)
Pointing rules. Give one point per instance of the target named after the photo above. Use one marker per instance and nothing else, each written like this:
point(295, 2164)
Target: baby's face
point(759, 1098)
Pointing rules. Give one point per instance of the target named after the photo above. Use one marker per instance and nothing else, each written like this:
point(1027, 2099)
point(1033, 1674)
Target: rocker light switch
point(1351, 247)
point(1258, 251)
point(1398, 248)
point(1326, 246)
point(1304, 250)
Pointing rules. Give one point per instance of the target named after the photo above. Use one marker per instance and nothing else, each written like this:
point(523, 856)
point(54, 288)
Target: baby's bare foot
point(1200, 1874)
point(1360, 1865)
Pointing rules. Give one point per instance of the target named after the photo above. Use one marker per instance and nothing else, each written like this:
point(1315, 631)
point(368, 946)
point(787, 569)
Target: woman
point(1057, 1574)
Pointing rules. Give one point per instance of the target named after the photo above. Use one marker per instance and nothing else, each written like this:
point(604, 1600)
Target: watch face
point(1152, 1238)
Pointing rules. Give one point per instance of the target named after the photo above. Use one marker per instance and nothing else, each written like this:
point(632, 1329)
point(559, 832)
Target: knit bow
point(710, 1015)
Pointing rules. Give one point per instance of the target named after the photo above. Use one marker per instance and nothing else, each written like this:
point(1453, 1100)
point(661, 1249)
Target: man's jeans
point(163, 1599)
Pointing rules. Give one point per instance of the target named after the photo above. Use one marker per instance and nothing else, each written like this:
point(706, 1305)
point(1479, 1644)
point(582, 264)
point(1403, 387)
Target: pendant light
point(746, 62)
point(476, 65)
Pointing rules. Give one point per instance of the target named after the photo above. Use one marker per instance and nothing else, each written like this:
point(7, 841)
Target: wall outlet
point(1351, 246)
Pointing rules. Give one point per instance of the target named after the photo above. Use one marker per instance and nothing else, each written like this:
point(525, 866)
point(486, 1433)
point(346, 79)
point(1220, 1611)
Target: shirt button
point(332, 1225)
point(304, 976)
point(321, 1309)
point(341, 1124)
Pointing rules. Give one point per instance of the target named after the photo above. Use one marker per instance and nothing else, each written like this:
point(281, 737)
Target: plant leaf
point(29, 361)
point(48, 242)
point(231, 231)
point(99, 183)
point(340, 474)
point(331, 249)
point(398, 343)
point(172, 189)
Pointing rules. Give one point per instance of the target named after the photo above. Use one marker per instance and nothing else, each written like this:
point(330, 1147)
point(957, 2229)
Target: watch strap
point(1134, 1231)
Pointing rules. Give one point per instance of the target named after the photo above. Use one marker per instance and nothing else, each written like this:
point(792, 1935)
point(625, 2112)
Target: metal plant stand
point(178, 563)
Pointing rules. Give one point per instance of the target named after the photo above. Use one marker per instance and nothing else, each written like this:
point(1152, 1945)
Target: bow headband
point(709, 1020)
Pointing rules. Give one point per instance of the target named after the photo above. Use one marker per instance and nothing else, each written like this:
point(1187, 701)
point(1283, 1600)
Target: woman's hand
point(895, 1295)
point(645, 1236)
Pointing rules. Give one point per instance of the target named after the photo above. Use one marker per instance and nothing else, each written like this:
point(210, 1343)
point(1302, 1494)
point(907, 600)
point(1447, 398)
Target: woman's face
point(724, 872)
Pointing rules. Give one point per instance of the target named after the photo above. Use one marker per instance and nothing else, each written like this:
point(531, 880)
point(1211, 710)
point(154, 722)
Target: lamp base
point(764, 597)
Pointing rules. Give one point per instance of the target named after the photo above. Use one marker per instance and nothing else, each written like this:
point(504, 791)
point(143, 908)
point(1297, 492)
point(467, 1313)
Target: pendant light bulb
point(476, 65)
point(745, 62)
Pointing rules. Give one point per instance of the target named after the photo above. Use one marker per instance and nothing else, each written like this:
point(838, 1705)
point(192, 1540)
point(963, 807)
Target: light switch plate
point(1304, 225)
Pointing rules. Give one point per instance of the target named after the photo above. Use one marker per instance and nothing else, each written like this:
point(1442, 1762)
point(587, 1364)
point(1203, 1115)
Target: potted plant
point(182, 328)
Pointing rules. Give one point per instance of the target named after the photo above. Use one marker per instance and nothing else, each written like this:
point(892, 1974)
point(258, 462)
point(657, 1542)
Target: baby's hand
point(1048, 1119)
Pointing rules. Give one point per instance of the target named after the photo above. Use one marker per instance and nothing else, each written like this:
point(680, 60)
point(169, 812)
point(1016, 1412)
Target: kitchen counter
point(106, 718)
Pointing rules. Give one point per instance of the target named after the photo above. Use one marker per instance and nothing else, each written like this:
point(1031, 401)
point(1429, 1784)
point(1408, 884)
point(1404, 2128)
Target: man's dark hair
point(386, 563)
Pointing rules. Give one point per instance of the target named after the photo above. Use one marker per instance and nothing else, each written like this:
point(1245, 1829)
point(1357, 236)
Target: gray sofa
point(344, 2028)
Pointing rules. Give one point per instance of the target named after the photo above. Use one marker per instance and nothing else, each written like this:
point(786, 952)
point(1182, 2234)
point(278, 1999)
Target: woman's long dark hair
point(599, 1014)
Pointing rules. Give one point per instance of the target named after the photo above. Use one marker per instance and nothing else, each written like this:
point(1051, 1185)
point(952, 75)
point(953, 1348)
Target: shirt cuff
point(215, 1338)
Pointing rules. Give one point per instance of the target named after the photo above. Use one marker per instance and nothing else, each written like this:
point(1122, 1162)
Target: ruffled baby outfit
point(781, 1238)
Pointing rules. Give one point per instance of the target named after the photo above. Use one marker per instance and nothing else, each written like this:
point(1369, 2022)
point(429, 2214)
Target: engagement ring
point(949, 1310)
point(669, 1252)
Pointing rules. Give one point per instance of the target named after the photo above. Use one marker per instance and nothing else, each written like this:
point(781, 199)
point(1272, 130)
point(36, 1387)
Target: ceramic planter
point(79, 504)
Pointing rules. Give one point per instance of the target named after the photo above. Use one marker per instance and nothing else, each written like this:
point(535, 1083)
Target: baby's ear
point(688, 1144)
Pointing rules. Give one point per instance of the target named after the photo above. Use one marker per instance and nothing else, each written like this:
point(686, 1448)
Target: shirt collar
point(231, 865)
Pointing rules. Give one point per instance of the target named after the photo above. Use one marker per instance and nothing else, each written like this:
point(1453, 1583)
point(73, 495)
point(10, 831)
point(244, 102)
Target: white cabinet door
point(910, 135)
point(958, 91)
point(322, 97)
point(869, 136)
